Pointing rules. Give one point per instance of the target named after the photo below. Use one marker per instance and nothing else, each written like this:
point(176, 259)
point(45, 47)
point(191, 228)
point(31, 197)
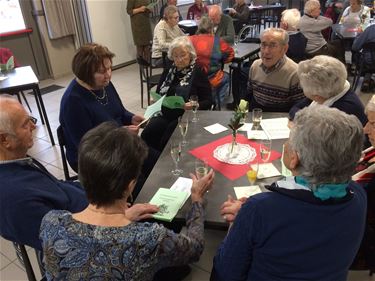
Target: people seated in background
point(311, 25)
point(356, 15)
point(197, 10)
point(91, 99)
point(297, 41)
point(212, 52)
point(365, 258)
point(332, 12)
point(223, 24)
point(273, 81)
point(28, 190)
point(240, 12)
point(106, 241)
point(169, 3)
point(324, 82)
point(165, 31)
point(185, 79)
point(363, 38)
point(309, 227)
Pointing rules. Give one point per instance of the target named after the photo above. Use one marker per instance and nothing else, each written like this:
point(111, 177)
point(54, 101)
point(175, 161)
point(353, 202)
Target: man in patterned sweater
point(273, 82)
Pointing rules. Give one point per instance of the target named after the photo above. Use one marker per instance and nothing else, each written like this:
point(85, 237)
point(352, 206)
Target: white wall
point(110, 26)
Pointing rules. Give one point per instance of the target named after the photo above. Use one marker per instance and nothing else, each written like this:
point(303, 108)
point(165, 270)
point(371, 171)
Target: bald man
point(223, 24)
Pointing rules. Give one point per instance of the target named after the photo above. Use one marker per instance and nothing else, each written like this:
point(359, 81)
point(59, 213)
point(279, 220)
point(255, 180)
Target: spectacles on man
point(271, 45)
point(33, 120)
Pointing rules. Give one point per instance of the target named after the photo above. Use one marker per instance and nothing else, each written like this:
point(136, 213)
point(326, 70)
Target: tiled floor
point(126, 81)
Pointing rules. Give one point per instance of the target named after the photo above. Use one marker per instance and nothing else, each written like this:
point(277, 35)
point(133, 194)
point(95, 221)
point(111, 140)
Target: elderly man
point(28, 190)
point(297, 41)
point(223, 24)
point(273, 82)
point(169, 3)
point(311, 25)
point(309, 227)
point(240, 12)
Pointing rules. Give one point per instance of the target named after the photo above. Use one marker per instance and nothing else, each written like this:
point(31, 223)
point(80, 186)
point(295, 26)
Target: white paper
point(246, 127)
point(216, 128)
point(3, 77)
point(266, 170)
point(154, 108)
point(276, 128)
point(257, 135)
point(184, 185)
point(246, 191)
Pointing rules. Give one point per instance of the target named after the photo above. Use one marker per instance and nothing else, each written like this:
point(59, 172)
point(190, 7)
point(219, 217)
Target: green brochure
point(169, 202)
point(174, 102)
point(155, 96)
point(154, 108)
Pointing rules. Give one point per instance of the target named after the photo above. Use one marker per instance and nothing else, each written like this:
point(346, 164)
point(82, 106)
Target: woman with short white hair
point(323, 80)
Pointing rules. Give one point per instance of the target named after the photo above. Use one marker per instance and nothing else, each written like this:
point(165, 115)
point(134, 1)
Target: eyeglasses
point(272, 45)
point(33, 120)
point(174, 18)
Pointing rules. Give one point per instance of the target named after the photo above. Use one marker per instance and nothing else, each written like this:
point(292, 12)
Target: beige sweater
point(163, 36)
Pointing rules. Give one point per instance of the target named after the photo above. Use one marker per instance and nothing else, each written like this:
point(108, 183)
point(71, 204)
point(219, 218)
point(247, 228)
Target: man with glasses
point(27, 190)
point(273, 83)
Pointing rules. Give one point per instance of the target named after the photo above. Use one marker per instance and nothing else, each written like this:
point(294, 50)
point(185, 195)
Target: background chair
point(368, 51)
point(23, 258)
point(61, 140)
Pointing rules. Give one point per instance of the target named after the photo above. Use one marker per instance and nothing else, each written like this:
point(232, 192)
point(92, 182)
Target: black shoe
point(230, 106)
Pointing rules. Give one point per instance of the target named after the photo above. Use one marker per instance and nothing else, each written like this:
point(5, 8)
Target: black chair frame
point(61, 140)
point(361, 67)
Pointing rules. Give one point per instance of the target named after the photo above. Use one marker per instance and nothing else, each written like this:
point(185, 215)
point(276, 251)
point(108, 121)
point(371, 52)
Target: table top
point(19, 78)
point(161, 175)
point(245, 50)
point(188, 23)
point(345, 32)
point(267, 7)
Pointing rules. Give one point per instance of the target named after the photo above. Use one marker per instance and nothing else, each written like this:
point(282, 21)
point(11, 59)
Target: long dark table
point(161, 175)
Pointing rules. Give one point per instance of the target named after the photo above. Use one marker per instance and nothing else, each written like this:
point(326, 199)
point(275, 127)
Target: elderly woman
point(357, 15)
point(197, 10)
point(311, 25)
point(309, 226)
point(105, 241)
point(165, 31)
point(212, 52)
point(323, 80)
point(91, 99)
point(184, 79)
point(297, 41)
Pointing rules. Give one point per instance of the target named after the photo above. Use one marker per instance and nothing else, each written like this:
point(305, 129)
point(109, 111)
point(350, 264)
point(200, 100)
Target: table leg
point(38, 95)
point(38, 105)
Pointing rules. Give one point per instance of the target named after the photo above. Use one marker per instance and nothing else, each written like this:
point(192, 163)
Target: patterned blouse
point(78, 251)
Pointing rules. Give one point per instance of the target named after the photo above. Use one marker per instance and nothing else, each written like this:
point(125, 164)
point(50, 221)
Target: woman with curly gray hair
point(309, 227)
point(323, 80)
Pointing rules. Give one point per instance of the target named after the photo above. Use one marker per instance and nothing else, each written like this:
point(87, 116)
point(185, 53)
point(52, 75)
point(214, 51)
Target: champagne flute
point(183, 124)
point(194, 103)
point(253, 173)
point(265, 149)
point(257, 117)
point(176, 156)
point(201, 168)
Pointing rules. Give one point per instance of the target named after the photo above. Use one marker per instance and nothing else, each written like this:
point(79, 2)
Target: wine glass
point(201, 167)
point(176, 156)
point(265, 149)
point(257, 118)
point(236, 41)
point(252, 173)
point(194, 104)
point(183, 124)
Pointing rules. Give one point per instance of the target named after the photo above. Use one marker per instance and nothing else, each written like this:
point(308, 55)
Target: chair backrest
point(61, 140)
point(368, 52)
point(24, 259)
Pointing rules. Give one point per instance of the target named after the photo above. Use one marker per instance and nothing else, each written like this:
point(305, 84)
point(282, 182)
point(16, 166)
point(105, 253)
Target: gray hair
point(370, 107)
point(6, 121)
point(280, 31)
point(310, 6)
point(322, 75)
point(182, 42)
point(328, 143)
point(169, 11)
point(206, 26)
point(291, 17)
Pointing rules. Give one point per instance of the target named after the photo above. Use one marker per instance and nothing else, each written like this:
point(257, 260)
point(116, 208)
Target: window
point(11, 18)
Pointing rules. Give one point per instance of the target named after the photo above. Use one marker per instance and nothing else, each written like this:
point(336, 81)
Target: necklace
point(105, 213)
point(103, 100)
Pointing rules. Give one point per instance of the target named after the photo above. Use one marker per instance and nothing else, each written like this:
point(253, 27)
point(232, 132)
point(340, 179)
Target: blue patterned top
point(78, 251)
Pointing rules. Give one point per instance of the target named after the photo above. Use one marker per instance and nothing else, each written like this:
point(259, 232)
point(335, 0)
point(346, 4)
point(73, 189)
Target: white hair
point(328, 143)
point(280, 31)
point(291, 17)
point(370, 107)
point(310, 6)
point(6, 122)
point(322, 75)
point(182, 42)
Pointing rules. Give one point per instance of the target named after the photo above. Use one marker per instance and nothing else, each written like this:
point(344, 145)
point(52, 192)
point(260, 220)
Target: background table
point(21, 79)
point(161, 175)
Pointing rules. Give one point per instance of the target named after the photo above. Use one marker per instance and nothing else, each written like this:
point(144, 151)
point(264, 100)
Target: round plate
point(242, 155)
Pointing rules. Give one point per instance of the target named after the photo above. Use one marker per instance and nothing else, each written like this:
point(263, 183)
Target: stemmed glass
point(201, 168)
point(194, 104)
point(257, 118)
point(236, 41)
point(183, 124)
point(265, 149)
point(176, 156)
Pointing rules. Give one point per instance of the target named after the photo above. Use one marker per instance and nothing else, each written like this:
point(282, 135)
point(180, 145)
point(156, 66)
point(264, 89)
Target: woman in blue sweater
point(309, 227)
